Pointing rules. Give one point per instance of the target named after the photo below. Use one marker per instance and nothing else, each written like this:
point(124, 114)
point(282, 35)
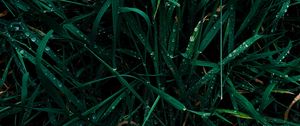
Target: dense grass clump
point(149, 62)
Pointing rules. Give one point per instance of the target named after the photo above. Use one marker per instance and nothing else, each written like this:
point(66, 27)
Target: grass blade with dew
point(98, 18)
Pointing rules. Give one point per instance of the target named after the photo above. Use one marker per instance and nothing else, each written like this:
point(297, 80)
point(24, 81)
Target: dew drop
point(33, 39)
point(214, 27)
point(27, 34)
point(47, 49)
point(196, 29)
point(17, 28)
point(192, 38)
point(286, 76)
point(60, 85)
point(152, 53)
point(114, 69)
point(22, 52)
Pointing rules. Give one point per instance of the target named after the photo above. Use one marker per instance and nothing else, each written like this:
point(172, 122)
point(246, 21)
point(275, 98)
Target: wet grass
point(156, 62)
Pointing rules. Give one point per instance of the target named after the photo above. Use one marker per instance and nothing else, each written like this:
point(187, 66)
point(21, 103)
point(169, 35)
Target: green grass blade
point(4, 75)
point(151, 110)
point(24, 91)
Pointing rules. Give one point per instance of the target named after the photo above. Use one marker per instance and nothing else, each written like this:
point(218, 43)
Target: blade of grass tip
point(266, 97)
point(156, 8)
point(234, 113)
point(120, 78)
point(98, 19)
point(78, 18)
point(202, 114)
point(246, 104)
point(286, 113)
point(4, 75)
point(174, 102)
point(137, 11)
point(151, 110)
point(24, 90)
point(41, 47)
point(41, 69)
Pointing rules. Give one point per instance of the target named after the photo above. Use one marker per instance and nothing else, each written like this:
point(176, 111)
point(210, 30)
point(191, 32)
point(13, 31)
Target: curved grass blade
point(286, 113)
point(98, 19)
point(138, 11)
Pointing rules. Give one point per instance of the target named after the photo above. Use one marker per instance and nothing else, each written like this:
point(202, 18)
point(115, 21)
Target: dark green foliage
point(149, 62)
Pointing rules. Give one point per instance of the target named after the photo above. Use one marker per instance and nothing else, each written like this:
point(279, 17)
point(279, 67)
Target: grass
point(156, 62)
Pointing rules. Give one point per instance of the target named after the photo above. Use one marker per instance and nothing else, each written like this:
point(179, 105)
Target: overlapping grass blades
point(114, 62)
